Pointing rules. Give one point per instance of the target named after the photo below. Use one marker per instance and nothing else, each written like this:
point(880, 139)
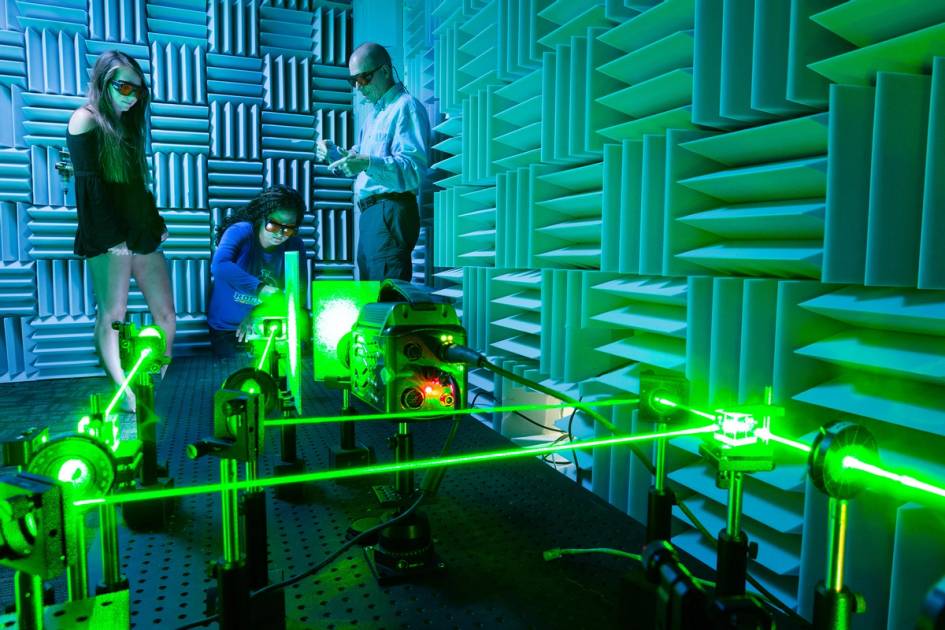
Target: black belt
point(370, 200)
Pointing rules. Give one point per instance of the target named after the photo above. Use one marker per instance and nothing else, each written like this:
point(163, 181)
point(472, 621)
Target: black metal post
point(732, 559)
point(29, 601)
point(660, 499)
point(834, 603)
point(77, 573)
point(348, 453)
point(404, 480)
point(232, 575)
point(147, 427)
point(348, 439)
point(257, 532)
point(112, 578)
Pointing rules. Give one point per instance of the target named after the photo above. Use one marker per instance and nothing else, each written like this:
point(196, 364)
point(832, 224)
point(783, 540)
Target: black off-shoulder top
point(109, 212)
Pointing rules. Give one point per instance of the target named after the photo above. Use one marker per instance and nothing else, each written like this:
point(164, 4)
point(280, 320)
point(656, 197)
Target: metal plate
point(102, 611)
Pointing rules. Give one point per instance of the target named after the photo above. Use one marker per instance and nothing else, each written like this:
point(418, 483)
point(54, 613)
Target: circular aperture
point(253, 381)
point(82, 465)
point(413, 350)
point(411, 398)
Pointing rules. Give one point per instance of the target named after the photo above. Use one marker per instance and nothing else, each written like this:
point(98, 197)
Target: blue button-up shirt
point(395, 134)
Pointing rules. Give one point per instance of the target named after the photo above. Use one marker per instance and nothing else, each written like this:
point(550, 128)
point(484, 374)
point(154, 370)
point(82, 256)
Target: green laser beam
point(265, 352)
point(910, 482)
point(766, 434)
point(416, 415)
point(124, 386)
point(376, 469)
point(676, 405)
point(293, 338)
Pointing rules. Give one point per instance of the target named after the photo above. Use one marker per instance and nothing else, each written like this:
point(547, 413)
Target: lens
point(125, 89)
point(362, 79)
point(412, 398)
point(275, 228)
point(30, 526)
point(73, 471)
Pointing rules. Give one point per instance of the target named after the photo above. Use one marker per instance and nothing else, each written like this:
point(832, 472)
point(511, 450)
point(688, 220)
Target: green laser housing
point(237, 419)
point(262, 326)
point(394, 367)
point(132, 342)
point(33, 536)
point(667, 385)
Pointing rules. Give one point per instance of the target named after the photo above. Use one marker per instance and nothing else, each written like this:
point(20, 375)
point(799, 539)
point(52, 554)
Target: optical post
point(655, 388)
point(142, 355)
point(238, 438)
point(735, 451)
point(253, 381)
point(273, 340)
point(834, 602)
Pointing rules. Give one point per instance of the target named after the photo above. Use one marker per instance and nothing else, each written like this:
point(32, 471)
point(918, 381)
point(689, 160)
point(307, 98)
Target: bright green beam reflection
point(124, 386)
point(910, 482)
point(378, 469)
point(676, 405)
point(413, 415)
point(265, 353)
point(293, 334)
point(766, 434)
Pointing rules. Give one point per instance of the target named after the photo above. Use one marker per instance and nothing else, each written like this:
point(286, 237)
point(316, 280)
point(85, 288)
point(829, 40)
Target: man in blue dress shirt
point(390, 161)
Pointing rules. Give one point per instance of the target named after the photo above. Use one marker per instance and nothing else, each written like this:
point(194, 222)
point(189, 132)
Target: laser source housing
point(393, 364)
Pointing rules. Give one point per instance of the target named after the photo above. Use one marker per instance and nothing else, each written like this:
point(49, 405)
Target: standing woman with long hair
point(120, 229)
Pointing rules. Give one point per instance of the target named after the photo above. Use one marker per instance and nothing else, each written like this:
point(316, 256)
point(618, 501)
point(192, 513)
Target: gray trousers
point(387, 233)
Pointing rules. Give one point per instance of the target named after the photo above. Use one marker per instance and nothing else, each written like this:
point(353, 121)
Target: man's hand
point(327, 150)
point(351, 164)
point(164, 235)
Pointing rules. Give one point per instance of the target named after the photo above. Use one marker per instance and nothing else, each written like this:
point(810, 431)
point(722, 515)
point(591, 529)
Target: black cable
point(464, 354)
point(545, 457)
point(343, 548)
point(318, 567)
point(538, 424)
point(475, 398)
point(774, 601)
point(535, 422)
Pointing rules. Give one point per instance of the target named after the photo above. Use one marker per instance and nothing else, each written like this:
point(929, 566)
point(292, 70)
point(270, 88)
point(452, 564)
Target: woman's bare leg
point(150, 272)
point(110, 278)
